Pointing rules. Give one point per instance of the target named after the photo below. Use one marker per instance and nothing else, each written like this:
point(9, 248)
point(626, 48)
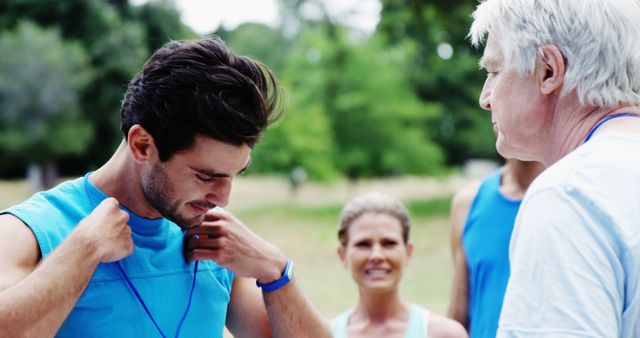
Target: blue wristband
point(287, 274)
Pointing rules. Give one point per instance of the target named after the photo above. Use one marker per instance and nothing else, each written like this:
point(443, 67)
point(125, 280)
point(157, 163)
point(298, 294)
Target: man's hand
point(223, 239)
point(107, 230)
point(36, 299)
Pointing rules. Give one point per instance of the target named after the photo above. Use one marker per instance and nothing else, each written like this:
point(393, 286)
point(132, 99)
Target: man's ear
point(550, 68)
point(141, 144)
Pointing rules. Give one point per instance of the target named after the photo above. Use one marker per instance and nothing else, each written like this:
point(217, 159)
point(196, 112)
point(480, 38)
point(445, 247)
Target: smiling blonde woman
point(375, 248)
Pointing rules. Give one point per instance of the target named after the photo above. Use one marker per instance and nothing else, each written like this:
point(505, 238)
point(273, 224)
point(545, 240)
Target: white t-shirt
point(575, 248)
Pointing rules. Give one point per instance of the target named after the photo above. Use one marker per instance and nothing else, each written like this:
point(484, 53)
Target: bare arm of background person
point(284, 313)
point(37, 295)
point(459, 303)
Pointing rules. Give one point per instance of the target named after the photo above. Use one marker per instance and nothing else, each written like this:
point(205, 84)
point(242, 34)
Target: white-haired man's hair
point(599, 39)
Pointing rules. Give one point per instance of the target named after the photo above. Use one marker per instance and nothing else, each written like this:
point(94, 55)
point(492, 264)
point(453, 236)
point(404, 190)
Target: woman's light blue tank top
point(108, 308)
point(417, 326)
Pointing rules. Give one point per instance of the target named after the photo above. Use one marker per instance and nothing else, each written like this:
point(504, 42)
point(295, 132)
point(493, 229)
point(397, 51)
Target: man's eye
point(205, 178)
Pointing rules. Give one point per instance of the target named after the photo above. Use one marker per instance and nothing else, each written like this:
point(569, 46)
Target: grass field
point(308, 236)
point(304, 225)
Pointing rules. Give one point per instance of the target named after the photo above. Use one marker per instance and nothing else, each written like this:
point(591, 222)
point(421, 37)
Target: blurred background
point(382, 95)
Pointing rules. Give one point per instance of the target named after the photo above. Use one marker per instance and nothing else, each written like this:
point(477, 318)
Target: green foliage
point(359, 105)
point(430, 208)
point(260, 42)
point(302, 139)
point(352, 110)
point(330, 213)
point(464, 131)
point(116, 37)
point(394, 105)
point(117, 53)
point(40, 81)
point(380, 123)
point(160, 21)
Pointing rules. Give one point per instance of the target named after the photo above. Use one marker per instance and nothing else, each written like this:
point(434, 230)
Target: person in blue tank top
point(375, 248)
point(482, 218)
point(141, 247)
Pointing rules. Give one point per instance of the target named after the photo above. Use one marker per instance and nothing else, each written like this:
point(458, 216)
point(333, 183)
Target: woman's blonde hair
point(373, 202)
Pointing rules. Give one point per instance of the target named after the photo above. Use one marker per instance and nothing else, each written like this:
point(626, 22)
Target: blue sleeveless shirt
point(485, 240)
point(417, 327)
point(108, 307)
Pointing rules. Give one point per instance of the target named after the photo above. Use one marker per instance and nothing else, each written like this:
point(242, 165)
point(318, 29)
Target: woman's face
point(375, 252)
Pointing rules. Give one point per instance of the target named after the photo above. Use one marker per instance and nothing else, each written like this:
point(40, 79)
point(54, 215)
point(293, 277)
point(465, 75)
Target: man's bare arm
point(225, 240)
point(292, 315)
point(37, 297)
point(246, 314)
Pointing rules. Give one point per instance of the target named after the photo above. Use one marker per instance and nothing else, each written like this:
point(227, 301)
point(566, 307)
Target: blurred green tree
point(444, 70)
point(117, 49)
point(352, 110)
point(362, 88)
point(304, 137)
point(117, 38)
point(261, 42)
point(160, 21)
point(41, 78)
point(377, 118)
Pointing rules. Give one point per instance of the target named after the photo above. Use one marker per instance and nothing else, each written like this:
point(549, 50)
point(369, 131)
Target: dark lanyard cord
point(146, 309)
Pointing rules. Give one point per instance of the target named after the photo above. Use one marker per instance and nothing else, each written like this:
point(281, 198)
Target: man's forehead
point(216, 158)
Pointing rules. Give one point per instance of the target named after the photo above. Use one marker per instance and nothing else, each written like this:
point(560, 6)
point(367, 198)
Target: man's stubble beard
point(157, 190)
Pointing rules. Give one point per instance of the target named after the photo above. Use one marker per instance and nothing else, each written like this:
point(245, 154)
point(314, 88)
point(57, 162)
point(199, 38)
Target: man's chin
point(187, 223)
point(196, 221)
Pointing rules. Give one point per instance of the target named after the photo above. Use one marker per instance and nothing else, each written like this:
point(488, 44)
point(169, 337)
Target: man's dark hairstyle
point(190, 88)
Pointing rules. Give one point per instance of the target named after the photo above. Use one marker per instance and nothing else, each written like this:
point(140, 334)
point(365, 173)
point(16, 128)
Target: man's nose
point(220, 190)
point(485, 96)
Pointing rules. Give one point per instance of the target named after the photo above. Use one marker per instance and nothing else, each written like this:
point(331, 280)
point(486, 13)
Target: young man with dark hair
point(137, 248)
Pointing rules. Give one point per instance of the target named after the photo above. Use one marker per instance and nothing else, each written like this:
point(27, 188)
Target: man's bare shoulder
point(19, 250)
point(465, 195)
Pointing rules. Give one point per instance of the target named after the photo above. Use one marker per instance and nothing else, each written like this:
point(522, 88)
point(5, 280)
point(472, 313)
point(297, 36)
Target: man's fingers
point(206, 230)
point(216, 214)
point(202, 254)
point(203, 243)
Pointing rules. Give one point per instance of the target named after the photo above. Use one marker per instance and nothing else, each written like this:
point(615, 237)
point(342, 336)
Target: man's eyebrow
point(208, 172)
point(216, 174)
point(246, 166)
point(487, 62)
